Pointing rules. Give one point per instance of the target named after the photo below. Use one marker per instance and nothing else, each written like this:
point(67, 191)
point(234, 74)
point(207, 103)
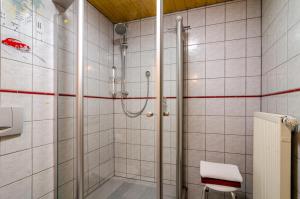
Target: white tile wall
point(223, 58)
point(280, 54)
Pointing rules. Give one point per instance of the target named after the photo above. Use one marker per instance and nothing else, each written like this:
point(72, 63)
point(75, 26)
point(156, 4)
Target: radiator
point(271, 157)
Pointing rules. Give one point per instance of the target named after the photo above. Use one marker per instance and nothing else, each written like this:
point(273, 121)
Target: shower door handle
point(149, 114)
point(166, 114)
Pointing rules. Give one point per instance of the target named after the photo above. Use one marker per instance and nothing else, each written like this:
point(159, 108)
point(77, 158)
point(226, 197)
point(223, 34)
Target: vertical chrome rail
point(179, 107)
point(79, 102)
point(159, 97)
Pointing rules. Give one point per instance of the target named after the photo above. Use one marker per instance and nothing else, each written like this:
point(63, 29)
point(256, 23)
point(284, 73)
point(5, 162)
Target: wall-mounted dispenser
point(11, 121)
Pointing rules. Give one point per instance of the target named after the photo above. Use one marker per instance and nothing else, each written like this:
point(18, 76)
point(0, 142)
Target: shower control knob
point(149, 114)
point(166, 113)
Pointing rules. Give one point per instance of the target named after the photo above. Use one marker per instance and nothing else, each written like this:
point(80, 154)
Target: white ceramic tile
point(147, 169)
point(196, 53)
point(253, 85)
point(192, 103)
point(195, 70)
point(215, 142)
point(293, 106)
point(196, 124)
point(196, 17)
point(43, 158)
point(93, 52)
point(65, 61)
point(15, 166)
point(252, 105)
point(65, 171)
point(293, 70)
point(66, 39)
point(43, 79)
point(254, 27)
point(253, 66)
point(282, 50)
point(235, 48)
point(147, 153)
point(236, 11)
point(236, 30)
point(196, 36)
point(16, 75)
point(134, 28)
point(215, 51)
point(253, 8)
point(194, 157)
point(147, 42)
point(148, 26)
point(196, 87)
point(215, 69)
point(66, 150)
point(43, 132)
point(215, 156)
point(215, 33)
point(293, 15)
point(211, 126)
point(67, 190)
point(294, 41)
point(19, 189)
point(235, 144)
point(215, 87)
point(147, 58)
point(170, 39)
point(170, 54)
point(43, 183)
point(235, 67)
point(235, 107)
point(235, 125)
point(48, 10)
point(43, 107)
point(214, 106)
point(235, 86)
point(134, 44)
point(43, 54)
point(215, 14)
point(93, 141)
point(254, 47)
point(92, 15)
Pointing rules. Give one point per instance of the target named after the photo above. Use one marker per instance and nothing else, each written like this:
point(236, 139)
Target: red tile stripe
point(168, 97)
point(26, 92)
point(282, 92)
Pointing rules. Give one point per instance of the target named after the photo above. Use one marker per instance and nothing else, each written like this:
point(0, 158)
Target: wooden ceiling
point(127, 10)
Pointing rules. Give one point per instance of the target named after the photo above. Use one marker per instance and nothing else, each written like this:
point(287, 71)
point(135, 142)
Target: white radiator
point(271, 157)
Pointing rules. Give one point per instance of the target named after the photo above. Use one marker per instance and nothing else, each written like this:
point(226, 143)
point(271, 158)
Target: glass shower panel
point(98, 101)
point(119, 143)
point(65, 36)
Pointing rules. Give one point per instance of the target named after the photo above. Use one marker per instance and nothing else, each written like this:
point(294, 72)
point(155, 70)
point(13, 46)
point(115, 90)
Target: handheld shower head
point(121, 28)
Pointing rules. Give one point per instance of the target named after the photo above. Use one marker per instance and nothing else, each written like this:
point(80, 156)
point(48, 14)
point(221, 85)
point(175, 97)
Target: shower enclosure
point(119, 104)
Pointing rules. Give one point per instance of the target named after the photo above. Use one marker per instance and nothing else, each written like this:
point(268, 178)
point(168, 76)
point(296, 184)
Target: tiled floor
point(118, 188)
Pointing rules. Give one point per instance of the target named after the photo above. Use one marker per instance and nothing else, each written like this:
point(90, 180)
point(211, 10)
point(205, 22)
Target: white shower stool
point(220, 177)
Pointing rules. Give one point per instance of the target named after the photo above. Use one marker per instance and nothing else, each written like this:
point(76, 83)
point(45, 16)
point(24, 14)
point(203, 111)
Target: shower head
point(121, 28)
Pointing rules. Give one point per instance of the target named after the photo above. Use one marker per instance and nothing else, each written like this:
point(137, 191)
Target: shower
point(121, 29)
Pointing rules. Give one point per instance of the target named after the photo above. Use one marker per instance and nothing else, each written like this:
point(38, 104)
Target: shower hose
point(138, 113)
